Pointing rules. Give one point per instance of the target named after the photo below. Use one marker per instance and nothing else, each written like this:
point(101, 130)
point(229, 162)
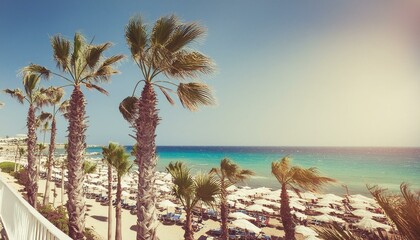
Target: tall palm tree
point(228, 174)
point(296, 178)
point(35, 99)
point(190, 190)
point(20, 152)
point(55, 96)
point(164, 50)
point(122, 166)
point(109, 154)
point(83, 65)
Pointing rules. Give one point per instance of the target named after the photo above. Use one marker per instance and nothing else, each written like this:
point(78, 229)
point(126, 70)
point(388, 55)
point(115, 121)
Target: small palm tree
point(35, 99)
point(84, 65)
point(228, 174)
point(403, 210)
point(109, 154)
point(89, 167)
point(296, 178)
point(190, 190)
point(162, 51)
point(122, 166)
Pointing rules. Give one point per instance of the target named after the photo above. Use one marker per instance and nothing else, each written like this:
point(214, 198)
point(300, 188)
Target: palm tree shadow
point(100, 218)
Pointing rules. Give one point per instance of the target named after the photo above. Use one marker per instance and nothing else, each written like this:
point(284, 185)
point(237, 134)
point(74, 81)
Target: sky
point(289, 73)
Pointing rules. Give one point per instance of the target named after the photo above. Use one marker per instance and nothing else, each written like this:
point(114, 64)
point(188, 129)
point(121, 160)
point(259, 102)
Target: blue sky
point(324, 73)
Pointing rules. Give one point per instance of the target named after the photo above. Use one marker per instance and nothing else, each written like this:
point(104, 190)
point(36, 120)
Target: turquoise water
point(354, 167)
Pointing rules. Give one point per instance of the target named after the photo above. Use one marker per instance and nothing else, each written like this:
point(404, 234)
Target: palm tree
point(229, 174)
point(122, 166)
point(89, 167)
point(296, 178)
point(190, 190)
point(164, 50)
point(403, 210)
point(55, 95)
point(35, 99)
point(109, 154)
point(84, 65)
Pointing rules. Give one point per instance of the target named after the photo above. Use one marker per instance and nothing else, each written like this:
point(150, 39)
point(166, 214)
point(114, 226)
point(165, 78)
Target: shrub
point(57, 216)
point(7, 167)
point(22, 176)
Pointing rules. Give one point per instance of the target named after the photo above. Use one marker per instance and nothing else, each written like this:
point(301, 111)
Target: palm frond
point(94, 53)
point(53, 93)
point(104, 73)
point(43, 72)
point(193, 94)
point(168, 97)
point(403, 210)
point(44, 116)
point(183, 35)
point(163, 29)
point(64, 106)
point(335, 232)
point(61, 48)
point(16, 93)
point(112, 60)
point(136, 36)
point(308, 179)
point(79, 44)
point(206, 188)
point(89, 167)
point(96, 87)
point(190, 65)
point(128, 109)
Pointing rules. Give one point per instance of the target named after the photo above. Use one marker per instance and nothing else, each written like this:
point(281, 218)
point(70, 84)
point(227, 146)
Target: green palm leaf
point(61, 51)
point(163, 29)
point(183, 35)
point(136, 36)
point(194, 94)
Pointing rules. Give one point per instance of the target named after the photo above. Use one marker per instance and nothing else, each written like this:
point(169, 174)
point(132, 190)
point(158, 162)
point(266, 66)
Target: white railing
point(21, 221)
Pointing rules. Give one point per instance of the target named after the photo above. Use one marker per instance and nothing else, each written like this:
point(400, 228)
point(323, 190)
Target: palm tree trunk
point(76, 146)
point(50, 161)
point(286, 216)
point(146, 159)
point(16, 157)
point(32, 188)
point(118, 235)
point(109, 202)
point(223, 210)
point(189, 233)
point(62, 184)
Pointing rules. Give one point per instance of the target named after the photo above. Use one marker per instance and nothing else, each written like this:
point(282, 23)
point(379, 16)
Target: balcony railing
point(21, 221)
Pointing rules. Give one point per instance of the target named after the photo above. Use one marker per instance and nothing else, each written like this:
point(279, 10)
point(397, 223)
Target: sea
point(353, 167)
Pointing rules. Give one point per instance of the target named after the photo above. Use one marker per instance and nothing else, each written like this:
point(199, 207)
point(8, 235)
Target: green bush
point(57, 216)
point(22, 176)
point(7, 167)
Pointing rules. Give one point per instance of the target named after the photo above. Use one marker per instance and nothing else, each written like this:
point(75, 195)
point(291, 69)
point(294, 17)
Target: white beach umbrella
point(164, 189)
point(297, 205)
point(272, 197)
point(232, 188)
point(246, 187)
point(292, 194)
point(328, 218)
point(300, 215)
point(361, 198)
point(366, 213)
point(240, 215)
point(245, 224)
point(167, 204)
point(261, 190)
point(259, 208)
point(264, 202)
point(308, 195)
point(233, 197)
point(160, 182)
point(361, 205)
point(239, 205)
point(305, 231)
point(370, 224)
point(332, 197)
point(324, 210)
point(167, 178)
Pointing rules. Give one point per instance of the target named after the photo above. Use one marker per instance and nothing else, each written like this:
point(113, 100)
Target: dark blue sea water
point(354, 167)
